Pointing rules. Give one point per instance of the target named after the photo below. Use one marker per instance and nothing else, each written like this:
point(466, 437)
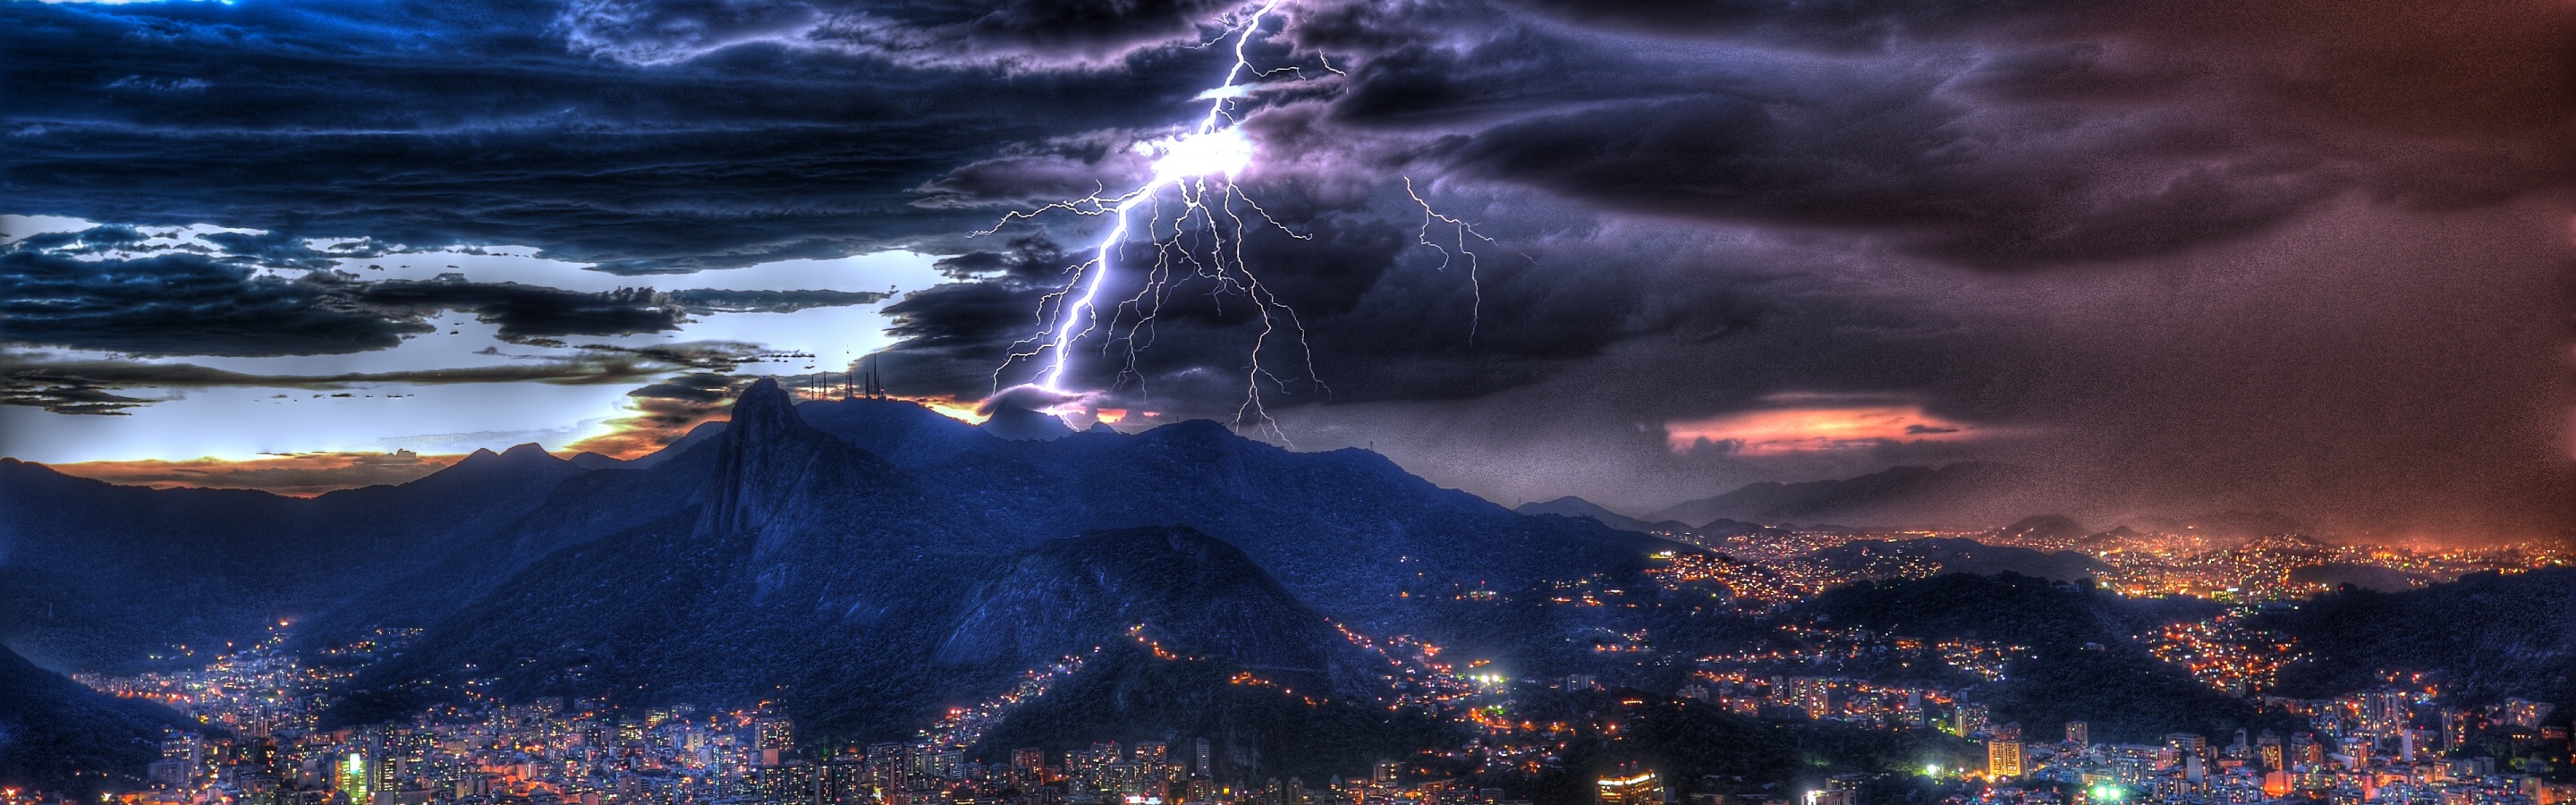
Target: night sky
point(2308, 257)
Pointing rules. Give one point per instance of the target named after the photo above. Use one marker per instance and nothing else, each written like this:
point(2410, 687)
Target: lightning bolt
point(1196, 219)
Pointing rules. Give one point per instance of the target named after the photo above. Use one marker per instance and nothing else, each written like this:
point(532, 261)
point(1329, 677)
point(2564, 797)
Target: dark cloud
point(471, 124)
point(88, 386)
point(1361, 309)
point(528, 312)
point(191, 304)
point(1018, 34)
point(1851, 24)
point(182, 304)
point(1992, 135)
point(1701, 206)
point(701, 388)
point(709, 301)
point(1032, 259)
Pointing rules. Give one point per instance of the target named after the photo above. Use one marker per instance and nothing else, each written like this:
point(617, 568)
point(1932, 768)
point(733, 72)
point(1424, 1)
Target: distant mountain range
point(105, 577)
point(874, 560)
point(1571, 506)
point(1965, 494)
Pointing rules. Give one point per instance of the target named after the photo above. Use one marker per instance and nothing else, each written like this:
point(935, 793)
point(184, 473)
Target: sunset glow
point(1777, 431)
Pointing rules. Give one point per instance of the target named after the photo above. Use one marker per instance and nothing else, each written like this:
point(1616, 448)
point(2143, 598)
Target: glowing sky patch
point(405, 409)
point(299, 475)
point(1813, 428)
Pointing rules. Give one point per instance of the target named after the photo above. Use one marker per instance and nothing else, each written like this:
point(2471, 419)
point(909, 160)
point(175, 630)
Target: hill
point(2483, 638)
point(59, 737)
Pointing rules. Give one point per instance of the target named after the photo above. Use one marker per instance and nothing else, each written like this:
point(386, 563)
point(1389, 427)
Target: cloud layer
point(2135, 237)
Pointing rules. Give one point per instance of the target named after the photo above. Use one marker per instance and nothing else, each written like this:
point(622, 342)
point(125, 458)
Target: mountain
point(1883, 559)
point(1964, 493)
point(1176, 624)
point(58, 736)
point(1175, 586)
point(1571, 506)
point(106, 577)
point(881, 563)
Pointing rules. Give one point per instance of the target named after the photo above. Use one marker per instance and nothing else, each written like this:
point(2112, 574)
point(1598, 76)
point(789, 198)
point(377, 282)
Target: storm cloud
point(2267, 255)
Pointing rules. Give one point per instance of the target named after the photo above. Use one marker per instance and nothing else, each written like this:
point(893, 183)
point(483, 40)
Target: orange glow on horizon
point(299, 475)
point(1777, 431)
point(311, 474)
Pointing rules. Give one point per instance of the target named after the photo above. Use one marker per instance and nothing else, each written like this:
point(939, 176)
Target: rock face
point(54, 732)
point(776, 475)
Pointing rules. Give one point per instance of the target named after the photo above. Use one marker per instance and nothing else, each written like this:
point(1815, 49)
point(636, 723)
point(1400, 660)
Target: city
point(2405, 740)
point(1287, 402)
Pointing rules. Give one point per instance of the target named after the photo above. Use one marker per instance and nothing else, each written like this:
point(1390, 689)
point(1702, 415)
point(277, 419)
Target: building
point(775, 738)
point(2079, 734)
point(1970, 719)
point(2525, 713)
point(2003, 759)
point(2187, 743)
point(1630, 786)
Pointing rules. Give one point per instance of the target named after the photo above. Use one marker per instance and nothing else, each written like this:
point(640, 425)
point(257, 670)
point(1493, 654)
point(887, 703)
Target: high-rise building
point(775, 740)
point(2003, 758)
point(1200, 756)
point(356, 777)
point(2079, 734)
point(1631, 785)
point(887, 771)
point(2305, 751)
point(1028, 759)
point(1971, 719)
point(2267, 750)
point(2386, 709)
point(1813, 695)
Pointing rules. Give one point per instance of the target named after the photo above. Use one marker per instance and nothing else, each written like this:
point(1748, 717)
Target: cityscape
point(1287, 402)
point(2402, 740)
